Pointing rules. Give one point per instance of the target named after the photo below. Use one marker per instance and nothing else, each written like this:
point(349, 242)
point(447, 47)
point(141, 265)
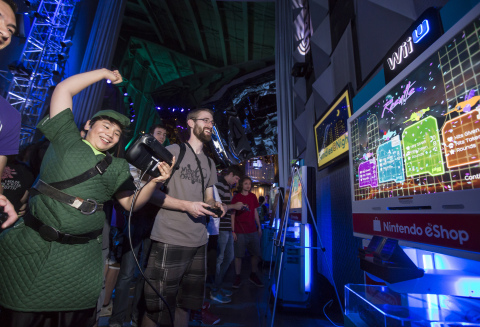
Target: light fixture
point(66, 43)
point(62, 56)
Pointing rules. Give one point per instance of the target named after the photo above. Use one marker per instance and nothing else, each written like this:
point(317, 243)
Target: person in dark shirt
point(17, 178)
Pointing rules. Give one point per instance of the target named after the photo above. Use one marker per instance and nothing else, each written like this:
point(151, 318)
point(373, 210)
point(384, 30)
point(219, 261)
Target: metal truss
point(42, 59)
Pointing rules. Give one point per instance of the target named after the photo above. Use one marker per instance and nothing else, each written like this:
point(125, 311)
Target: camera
point(146, 153)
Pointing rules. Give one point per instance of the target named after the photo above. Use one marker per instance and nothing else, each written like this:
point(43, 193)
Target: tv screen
point(296, 201)
point(416, 146)
point(331, 131)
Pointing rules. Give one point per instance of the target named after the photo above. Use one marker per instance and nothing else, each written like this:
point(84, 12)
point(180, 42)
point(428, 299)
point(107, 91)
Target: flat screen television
point(331, 136)
point(415, 150)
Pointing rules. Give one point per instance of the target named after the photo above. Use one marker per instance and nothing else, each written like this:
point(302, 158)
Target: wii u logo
point(406, 47)
point(377, 226)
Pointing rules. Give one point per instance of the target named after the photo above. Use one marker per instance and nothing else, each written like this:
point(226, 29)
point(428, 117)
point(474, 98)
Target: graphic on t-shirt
point(192, 175)
point(8, 172)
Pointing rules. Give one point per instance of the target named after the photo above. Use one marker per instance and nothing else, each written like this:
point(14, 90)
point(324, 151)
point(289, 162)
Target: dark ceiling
point(186, 53)
point(178, 38)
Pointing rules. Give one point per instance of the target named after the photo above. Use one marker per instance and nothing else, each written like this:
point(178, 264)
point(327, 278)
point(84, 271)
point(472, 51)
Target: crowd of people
point(61, 256)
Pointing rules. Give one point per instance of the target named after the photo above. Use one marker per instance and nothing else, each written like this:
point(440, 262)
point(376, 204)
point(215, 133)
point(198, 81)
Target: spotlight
point(109, 81)
point(62, 56)
point(38, 15)
point(66, 43)
point(17, 67)
point(30, 3)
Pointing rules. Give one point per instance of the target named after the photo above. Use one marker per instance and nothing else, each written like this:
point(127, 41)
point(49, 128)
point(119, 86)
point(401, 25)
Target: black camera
point(146, 153)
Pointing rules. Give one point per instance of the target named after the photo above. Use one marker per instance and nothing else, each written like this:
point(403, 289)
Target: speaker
point(300, 69)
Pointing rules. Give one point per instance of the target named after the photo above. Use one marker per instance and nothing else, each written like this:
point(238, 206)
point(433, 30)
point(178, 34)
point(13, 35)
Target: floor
point(252, 306)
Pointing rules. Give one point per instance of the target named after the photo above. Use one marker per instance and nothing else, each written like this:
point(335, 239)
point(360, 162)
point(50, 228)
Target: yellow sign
point(332, 151)
point(331, 135)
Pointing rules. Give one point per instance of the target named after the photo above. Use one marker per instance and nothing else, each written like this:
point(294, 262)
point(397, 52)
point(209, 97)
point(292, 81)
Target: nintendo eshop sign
point(417, 39)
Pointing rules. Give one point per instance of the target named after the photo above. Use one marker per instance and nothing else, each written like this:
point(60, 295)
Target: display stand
point(279, 242)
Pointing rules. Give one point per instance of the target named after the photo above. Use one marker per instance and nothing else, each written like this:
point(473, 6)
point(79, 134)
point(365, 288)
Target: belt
point(87, 207)
point(50, 234)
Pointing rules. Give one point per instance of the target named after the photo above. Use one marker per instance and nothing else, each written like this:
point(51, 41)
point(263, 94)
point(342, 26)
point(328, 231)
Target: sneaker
point(219, 297)
point(209, 318)
point(226, 292)
point(196, 315)
point(237, 282)
point(255, 280)
point(106, 310)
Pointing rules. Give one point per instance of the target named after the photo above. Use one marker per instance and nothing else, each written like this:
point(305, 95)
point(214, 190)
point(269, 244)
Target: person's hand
point(9, 210)
point(114, 76)
point(260, 232)
point(238, 206)
point(222, 207)
point(234, 236)
point(197, 209)
point(165, 171)
point(22, 210)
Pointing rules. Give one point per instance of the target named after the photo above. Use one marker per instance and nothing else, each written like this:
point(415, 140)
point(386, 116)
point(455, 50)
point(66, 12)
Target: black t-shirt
point(16, 179)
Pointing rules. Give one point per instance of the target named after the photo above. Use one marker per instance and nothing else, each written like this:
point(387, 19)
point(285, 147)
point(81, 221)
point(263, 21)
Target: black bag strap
point(99, 168)
point(183, 149)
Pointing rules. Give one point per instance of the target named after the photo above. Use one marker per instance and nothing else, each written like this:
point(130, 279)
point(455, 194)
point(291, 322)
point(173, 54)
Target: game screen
point(423, 135)
point(296, 201)
point(331, 131)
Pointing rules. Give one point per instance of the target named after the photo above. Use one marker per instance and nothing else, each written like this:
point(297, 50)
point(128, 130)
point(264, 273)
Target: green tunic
point(36, 275)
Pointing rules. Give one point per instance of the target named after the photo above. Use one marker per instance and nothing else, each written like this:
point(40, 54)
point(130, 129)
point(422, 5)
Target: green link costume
point(37, 275)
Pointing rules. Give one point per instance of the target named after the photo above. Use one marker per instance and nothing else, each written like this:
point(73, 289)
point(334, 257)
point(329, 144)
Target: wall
point(347, 45)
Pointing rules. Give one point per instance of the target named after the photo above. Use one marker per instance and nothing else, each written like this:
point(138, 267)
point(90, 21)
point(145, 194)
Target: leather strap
point(87, 207)
point(99, 168)
point(50, 234)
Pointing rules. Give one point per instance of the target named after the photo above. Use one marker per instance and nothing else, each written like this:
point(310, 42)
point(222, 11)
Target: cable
point(138, 189)
point(329, 302)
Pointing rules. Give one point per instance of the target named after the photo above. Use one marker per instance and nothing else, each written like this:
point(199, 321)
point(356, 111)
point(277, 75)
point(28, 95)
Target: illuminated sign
point(331, 131)
point(422, 33)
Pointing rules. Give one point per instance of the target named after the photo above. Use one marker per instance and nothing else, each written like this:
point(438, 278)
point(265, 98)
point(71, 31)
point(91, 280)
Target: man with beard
point(176, 266)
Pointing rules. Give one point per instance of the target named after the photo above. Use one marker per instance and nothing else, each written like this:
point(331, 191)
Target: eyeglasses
point(205, 120)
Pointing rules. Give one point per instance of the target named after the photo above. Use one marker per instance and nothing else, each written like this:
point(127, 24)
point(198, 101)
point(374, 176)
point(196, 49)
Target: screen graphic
point(296, 201)
point(331, 131)
point(423, 135)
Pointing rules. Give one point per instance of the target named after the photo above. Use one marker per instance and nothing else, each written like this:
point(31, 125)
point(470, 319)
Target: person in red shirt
point(247, 231)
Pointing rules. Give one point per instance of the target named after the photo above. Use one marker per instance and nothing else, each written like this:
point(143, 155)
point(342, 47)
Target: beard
point(200, 134)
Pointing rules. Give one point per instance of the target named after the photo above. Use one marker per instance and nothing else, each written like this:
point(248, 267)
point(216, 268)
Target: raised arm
point(65, 90)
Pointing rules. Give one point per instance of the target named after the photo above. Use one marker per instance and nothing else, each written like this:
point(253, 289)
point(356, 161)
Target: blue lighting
point(420, 31)
point(158, 108)
point(467, 286)
point(440, 261)
point(308, 256)
point(427, 261)
point(125, 94)
point(109, 81)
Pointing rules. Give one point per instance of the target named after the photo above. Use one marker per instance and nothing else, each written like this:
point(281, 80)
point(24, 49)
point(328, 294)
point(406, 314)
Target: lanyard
point(201, 171)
